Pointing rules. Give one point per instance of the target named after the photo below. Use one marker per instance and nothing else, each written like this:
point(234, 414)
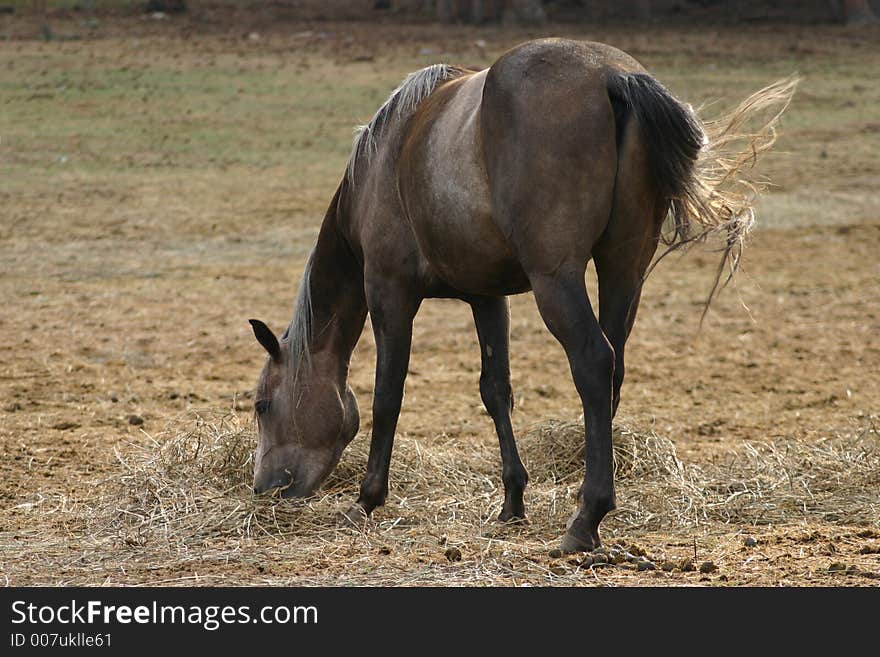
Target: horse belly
point(462, 243)
point(448, 202)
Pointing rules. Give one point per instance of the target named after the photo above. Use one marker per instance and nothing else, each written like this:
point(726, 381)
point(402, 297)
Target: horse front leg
point(492, 319)
point(565, 307)
point(391, 314)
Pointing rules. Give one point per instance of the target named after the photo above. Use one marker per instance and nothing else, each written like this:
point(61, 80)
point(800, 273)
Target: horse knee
point(497, 395)
point(386, 407)
point(594, 368)
point(603, 358)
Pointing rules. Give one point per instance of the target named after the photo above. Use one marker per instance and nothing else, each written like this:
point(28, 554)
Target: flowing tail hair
point(703, 168)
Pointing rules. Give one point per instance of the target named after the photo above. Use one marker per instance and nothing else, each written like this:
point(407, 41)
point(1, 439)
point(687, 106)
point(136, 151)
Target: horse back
point(501, 172)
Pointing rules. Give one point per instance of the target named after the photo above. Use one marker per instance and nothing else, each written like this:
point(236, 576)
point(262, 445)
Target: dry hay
point(182, 502)
point(197, 486)
point(834, 479)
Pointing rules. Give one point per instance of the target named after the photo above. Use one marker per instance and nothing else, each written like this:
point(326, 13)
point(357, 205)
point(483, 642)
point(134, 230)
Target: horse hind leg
point(565, 307)
point(555, 261)
point(594, 348)
point(625, 249)
point(492, 319)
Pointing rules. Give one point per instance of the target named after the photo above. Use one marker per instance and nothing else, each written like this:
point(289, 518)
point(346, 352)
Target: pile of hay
point(196, 485)
point(834, 480)
point(181, 507)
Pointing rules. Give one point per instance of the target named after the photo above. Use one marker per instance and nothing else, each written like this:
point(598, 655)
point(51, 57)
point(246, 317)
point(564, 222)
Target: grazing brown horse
point(476, 185)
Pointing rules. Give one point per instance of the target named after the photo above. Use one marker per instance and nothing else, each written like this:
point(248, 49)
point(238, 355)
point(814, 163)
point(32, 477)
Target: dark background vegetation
point(488, 11)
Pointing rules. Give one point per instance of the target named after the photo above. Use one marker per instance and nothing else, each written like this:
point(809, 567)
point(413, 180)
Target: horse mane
point(299, 332)
point(401, 103)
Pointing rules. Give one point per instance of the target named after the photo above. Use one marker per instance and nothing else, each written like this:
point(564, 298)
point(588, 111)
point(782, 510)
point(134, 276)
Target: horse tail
point(703, 168)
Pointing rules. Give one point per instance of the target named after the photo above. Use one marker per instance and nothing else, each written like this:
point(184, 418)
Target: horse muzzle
point(290, 487)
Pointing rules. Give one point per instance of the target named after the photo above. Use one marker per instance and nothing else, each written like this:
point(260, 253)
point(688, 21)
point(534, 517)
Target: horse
point(480, 184)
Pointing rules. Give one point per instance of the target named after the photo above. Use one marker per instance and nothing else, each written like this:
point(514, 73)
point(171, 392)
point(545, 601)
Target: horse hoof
point(510, 518)
point(356, 517)
point(572, 544)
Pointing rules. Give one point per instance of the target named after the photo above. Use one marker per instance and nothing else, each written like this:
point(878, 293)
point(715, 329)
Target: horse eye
point(262, 406)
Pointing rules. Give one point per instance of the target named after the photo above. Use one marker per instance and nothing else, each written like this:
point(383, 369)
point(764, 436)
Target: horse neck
point(336, 298)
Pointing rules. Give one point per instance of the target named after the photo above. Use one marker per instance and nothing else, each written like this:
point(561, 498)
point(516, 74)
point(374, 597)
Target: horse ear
point(266, 338)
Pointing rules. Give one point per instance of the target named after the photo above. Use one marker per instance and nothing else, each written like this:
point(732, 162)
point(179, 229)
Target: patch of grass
point(103, 119)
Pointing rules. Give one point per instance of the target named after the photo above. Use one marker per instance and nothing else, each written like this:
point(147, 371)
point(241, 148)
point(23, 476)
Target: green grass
point(99, 119)
point(115, 110)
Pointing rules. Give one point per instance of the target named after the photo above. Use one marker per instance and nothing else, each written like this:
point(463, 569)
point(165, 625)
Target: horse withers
point(476, 185)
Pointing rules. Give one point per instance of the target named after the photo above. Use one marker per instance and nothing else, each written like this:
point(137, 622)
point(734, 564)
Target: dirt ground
point(164, 180)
